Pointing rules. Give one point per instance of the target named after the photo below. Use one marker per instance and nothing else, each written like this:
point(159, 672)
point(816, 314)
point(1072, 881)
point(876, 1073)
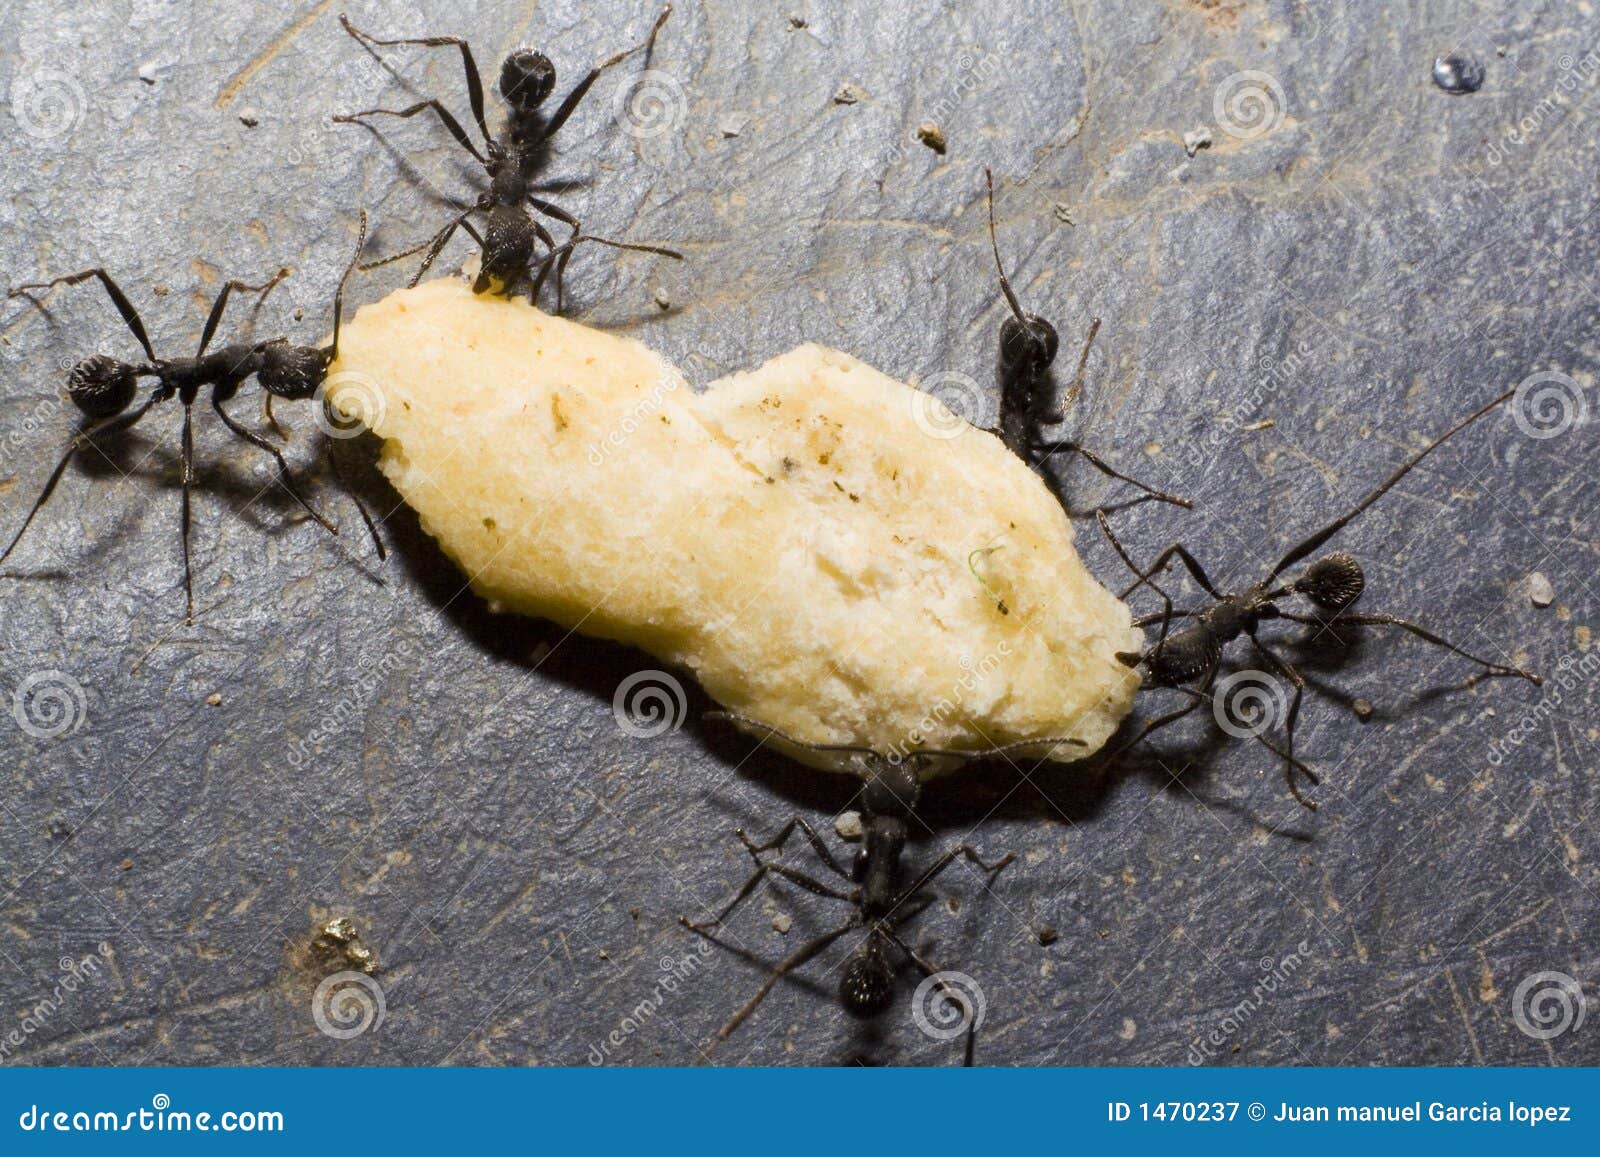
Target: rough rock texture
point(1376, 259)
point(826, 550)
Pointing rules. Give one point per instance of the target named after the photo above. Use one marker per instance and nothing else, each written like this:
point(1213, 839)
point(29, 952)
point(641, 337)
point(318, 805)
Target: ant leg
point(1492, 670)
point(787, 965)
point(1167, 613)
point(963, 1008)
point(221, 304)
point(285, 477)
point(361, 508)
point(79, 441)
point(450, 122)
point(944, 861)
point(130, 316)
point(188, 483)
point(1286, 670)
point(1164, 559)
point(812, 838)
point(764, 869)
point(1099, 464)
point(1154, 725)
point(469, 66)
point(559, 117)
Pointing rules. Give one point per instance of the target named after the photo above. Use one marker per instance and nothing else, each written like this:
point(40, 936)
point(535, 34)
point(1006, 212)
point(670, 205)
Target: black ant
point(104, 388)
point(1028, 346)
point(882, 901)
point(1187, 660)
point(510, 234)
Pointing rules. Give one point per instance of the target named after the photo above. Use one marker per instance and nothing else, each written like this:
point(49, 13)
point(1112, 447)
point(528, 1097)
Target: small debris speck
point(1363, 709)
point(1540, 592)
point(797, 22)
point(781, 924)
point(732, 125)
point(160, 290)
point(1129, 1029)
point(1196, 140)
point(1048, 935)
point(147, 72)
point(249, 118)
point(663, 299)
point(848, 94)
point(214, 700)
point(1264, 424)
point(848, 825)
point(299, 314)
point(1457, 73)
point(931, 135)
point(1063, 213)
point(126, 865)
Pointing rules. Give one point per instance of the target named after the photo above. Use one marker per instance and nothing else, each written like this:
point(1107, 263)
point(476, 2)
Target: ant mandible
point(881, 901)
point(1187, 660)
point(1028, 346)
point(510, 234)
point(104, 388)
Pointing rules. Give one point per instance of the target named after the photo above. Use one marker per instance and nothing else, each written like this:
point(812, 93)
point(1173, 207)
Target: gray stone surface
point(1380, 258)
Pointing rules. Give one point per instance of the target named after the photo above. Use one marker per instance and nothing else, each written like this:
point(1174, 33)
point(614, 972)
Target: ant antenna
point(1005, 285)
point(338, 296)
point(1338, 524)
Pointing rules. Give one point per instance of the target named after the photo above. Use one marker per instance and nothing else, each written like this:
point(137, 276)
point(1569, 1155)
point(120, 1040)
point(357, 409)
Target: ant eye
point(101, 386)
point(292, 371)
point(1333, 582)
point(526, 79)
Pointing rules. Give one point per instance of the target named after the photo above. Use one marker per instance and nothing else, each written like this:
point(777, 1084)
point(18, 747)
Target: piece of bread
point(822, 547)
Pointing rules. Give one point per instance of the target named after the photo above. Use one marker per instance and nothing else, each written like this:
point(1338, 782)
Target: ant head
point(892, 787)
point(867, 986)
point(527, 78)
point(1334, 581)
point(292, 371)
point(1027, 341)
point(101, 386)
point(1184, 656)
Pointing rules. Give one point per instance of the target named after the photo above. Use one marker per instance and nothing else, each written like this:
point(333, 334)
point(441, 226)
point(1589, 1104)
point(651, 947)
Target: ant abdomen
point(101, 386)
point(1333, 581)
point(1031, 346)
point(527, 78)
point(866, 988)
point(292, 371)
point(1184, 656)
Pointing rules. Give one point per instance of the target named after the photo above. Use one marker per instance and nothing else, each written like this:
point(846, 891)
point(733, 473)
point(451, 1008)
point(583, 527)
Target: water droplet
point(1457, 73)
